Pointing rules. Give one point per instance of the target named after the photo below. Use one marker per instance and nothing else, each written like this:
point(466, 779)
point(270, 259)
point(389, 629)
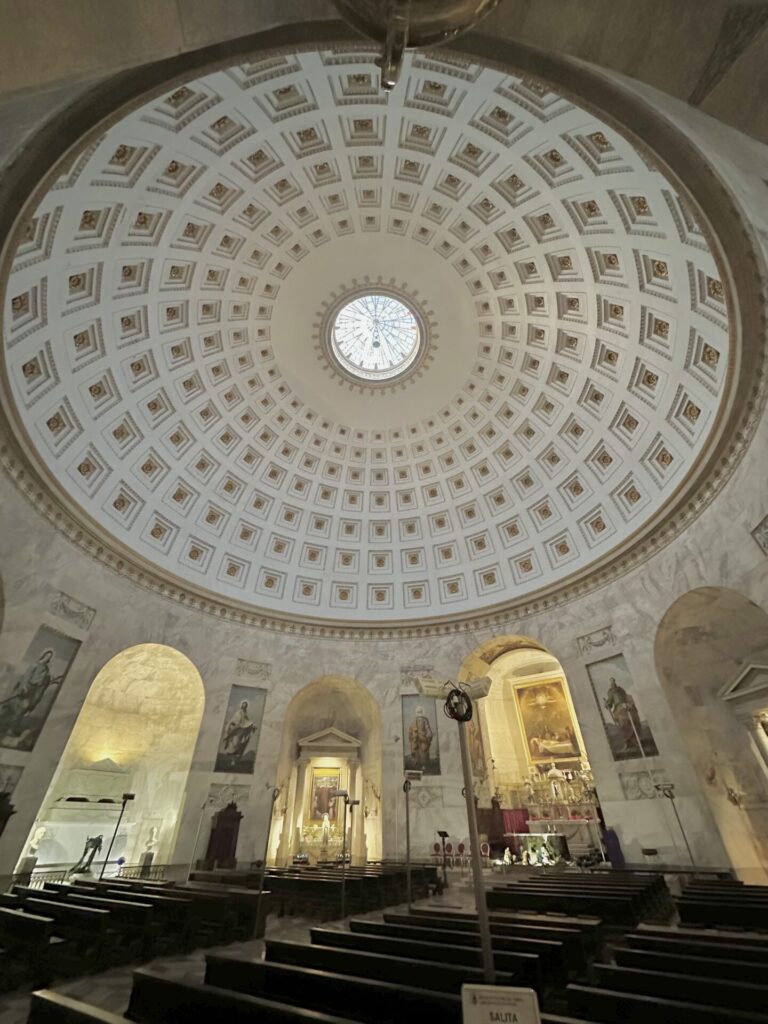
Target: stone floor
point(110, 989)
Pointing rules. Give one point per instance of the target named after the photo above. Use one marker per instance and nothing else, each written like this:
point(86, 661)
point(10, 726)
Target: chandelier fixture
point(410, 24)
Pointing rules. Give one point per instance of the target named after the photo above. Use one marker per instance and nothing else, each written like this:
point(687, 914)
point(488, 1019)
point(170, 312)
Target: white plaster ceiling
point(162, 336)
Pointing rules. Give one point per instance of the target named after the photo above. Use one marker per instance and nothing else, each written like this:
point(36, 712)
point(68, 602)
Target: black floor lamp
point(126, 798)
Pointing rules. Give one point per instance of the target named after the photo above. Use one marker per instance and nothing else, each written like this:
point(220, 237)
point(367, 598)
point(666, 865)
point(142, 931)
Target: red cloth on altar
point(515, 819)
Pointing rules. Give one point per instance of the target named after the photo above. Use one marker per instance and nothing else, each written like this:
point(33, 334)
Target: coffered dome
point(169, 323)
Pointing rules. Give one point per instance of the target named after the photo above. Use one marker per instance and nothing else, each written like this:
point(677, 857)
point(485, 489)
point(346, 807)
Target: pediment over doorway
point(330, 741)
point(750, 682)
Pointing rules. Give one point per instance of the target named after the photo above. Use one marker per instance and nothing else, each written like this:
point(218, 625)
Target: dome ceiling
point(166, 319)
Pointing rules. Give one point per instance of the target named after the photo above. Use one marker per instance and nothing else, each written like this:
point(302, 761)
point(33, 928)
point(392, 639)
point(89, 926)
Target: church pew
point(207, 920)
point(526, 967)
point(570, 938)
point(365, 999)
point(733, 915)
point(250, 909)
point(680, 963)
point(156, 999)
point(134, 920)
point(698, 935)
point(245, 911)
point(90, 941)
point(48, 1007)
point(443, 977)
point(30, 950)
point(610, 1006)
point(720, 950)
point(711, 991)
point(552, 954)
point(92, 931)
point(615, 909)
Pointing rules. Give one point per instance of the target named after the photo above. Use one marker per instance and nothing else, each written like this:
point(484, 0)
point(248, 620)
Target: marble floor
point(110, 989)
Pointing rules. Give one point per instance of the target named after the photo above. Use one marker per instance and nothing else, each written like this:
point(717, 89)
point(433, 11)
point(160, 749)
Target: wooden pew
point(135, 921)
point(719, 950)
point(554, 966)
point(368, 999)
point(611, 1007)
point(680, 963)
point(156, 999)
point(54, 1008)
point(570, 938)
point(439, 976)
point(29, 948)
point(617, 908)
point(589, 928)
point(689, 988)
point(525, 967)
point(724, 914)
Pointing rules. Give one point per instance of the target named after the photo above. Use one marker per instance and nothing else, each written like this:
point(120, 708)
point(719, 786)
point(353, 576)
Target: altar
point(538, 849)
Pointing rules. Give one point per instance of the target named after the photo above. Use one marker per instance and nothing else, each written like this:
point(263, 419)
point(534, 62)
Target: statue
point(92, 847)
point(507, 856)
point(37, 838)
point(326, 828)
point(556, 782)
point(151, 840)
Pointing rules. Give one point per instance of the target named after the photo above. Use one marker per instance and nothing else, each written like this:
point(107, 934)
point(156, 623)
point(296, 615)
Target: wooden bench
point(54, 1008)
point(611, 1007)
point(402, 970)
point(570, 938)
point(29, 948)
point(553, 968)
point(369, 999)
point(526, 968)
point(681, 963)
point(720, 950)
point(615, 908)
point(689, 988)
point(156, 999)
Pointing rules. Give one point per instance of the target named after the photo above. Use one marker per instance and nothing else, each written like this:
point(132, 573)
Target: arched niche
point(524, 733)
point(331, 731)
point(136, 733)
point(711, 655)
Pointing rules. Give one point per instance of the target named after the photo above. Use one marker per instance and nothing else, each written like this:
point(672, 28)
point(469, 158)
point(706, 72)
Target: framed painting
point(326, 782)
point(241, 730)
point(628, 733)
point(547, 721)
point(28, 690)
point(421, 748)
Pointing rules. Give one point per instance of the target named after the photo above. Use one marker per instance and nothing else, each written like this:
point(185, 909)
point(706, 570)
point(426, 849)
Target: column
point(757, 727)
point(356, 842)
point(283, 846)
point(301, 802)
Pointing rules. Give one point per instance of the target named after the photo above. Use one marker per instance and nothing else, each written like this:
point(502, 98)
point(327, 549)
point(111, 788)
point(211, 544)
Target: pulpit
point(222, 843)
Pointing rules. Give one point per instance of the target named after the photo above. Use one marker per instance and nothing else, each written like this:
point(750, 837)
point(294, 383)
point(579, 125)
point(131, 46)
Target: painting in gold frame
point(547, 721)
point(325, 784)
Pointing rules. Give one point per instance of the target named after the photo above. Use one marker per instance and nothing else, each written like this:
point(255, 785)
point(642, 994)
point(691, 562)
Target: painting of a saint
point(628, 734)
point(27, 693)
point(547, 722)
point(326, 782)
point(421, 751)
point(242, 727)
point(476, 749)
